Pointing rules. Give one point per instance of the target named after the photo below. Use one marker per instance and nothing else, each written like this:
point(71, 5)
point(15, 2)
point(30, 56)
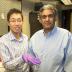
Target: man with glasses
point(52, 45)
point(14, 45)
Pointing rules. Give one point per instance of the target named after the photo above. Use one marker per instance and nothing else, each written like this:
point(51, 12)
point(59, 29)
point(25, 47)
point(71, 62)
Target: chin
point(47, 27)
point(17, 31)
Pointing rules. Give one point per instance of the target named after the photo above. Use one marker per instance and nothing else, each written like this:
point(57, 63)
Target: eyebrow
point(48, 14)
point(17, 18)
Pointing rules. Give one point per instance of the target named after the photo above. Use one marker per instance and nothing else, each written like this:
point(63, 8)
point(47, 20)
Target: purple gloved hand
point(29, 58)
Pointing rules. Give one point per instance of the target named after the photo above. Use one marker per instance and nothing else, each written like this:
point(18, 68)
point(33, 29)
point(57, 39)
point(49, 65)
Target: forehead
point(47, 12)
point(15, 16)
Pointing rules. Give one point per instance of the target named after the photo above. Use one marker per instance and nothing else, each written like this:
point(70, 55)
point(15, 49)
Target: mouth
point(48, 23)
point(17, 28)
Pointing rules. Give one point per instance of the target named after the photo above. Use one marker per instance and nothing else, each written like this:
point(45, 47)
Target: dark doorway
point(35, 25)
point(66, 19)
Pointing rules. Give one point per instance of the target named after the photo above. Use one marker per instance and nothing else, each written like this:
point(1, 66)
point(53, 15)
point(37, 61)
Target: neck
point(16, 35)
point(47, 31)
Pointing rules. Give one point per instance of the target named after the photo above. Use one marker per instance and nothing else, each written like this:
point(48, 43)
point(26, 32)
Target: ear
point(8, 23)
point(40, 21)
point(22, 22)
point(55, 18)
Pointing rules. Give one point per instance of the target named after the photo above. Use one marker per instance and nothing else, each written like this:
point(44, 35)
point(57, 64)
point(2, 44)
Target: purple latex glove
point(29, 58)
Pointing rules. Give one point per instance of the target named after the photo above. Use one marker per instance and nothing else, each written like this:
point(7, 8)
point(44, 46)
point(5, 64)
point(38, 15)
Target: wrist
point(22, 56)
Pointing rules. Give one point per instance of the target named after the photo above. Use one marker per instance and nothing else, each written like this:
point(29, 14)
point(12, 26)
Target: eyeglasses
point(14, 21)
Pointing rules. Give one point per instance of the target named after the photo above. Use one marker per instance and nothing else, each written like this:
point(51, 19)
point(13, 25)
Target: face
point(48, 19)
point(15, 22)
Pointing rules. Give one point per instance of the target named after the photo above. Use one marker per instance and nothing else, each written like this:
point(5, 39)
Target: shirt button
point(43, 63)
point(44, 55)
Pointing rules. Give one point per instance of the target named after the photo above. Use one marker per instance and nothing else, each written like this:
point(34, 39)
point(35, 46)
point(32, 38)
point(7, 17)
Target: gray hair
point(49, 6)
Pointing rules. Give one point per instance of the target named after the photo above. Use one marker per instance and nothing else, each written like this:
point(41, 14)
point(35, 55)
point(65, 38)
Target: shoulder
point(62, 30)
point(4, 40)
point(24, 36)
point(37, 34)
point(4, 37)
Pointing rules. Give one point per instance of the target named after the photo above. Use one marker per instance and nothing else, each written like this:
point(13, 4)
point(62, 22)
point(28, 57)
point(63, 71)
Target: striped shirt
point(12, 50)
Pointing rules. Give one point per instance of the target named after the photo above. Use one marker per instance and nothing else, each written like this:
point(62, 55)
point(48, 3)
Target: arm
point(29, 58)
point(68, 61)
point(31, 49)
point(12, 64)
point(8, 62)
point(31, 52)
point(34, 68)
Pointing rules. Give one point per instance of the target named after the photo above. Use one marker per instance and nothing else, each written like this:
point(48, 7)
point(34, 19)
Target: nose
point(16, 23)
point(47, 18)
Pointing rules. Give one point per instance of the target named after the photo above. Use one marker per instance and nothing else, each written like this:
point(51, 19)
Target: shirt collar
point(12, 37)
point(52, 32)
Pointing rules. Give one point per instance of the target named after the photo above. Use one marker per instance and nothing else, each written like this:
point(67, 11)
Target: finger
point(37, 61)
point(26, 60)
point(35, 58)
point(33, 62)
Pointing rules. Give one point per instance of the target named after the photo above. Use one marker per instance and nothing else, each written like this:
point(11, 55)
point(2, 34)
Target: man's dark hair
point(11, 11)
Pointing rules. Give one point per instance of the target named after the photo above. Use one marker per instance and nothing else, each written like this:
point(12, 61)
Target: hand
point(30, 58)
